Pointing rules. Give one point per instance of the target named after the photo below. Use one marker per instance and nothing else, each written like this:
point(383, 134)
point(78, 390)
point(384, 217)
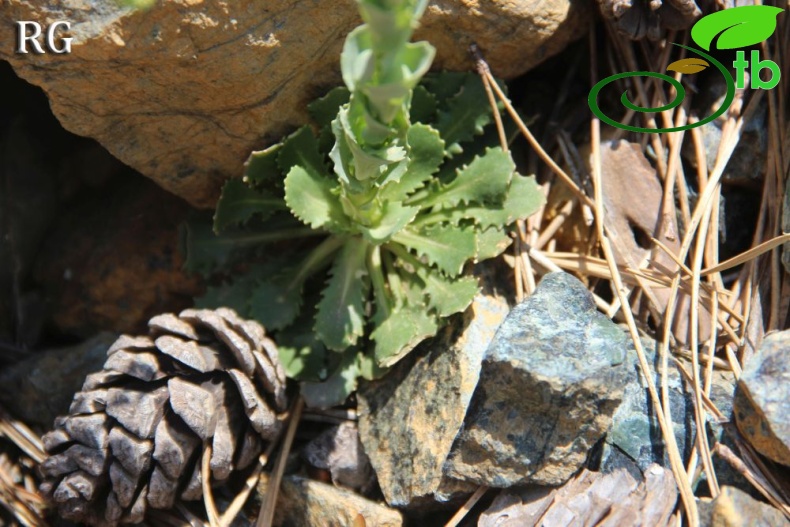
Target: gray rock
point(40, 388)
point(735, 508)
point(762, 400)
point(634, 441)
point(340, 451)
point(409, 419)
point(549, 384)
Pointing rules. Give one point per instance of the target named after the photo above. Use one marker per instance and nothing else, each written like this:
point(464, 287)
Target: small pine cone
point(134, 435)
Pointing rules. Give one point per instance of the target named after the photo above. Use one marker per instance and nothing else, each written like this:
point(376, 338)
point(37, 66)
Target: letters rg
point(34, 28)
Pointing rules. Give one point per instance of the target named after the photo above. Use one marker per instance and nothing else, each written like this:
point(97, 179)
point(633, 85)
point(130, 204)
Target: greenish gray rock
point(762, 399)
point(635, 432)
point(409, 419)
point(735, 508)
point(549, 384)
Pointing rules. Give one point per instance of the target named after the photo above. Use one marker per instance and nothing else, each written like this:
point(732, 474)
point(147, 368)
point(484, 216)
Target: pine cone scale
point(168, 323)
point(90, 430)
point(130, 451)
point(189, 353)
point(175, 446)
point(134, 435)
point(141, 365)
point(235, 343)
point(137, 411)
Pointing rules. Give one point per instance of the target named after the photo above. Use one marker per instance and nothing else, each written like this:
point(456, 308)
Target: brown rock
point(410, 418)
point(735, 508)
point(113, 261)
point(184, 91)
point(305, 503)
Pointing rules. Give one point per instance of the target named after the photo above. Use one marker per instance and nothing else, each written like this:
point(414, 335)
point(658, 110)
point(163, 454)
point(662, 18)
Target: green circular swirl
point(592, 99)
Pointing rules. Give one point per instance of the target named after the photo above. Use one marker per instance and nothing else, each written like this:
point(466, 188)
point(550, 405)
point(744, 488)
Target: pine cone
point(134, 434)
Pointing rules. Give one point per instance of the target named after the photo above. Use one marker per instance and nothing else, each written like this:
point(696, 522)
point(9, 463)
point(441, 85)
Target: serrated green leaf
point(400, 333)
point(446, 246)
point(423, 105)
point(337, 387)
point(324, 109)
point(235, 295)
point(311, 198)
point(395, 217)
point(357, 62)
point(239, 202)
point(524, 197)
point(448, 295)
point(464, 116)
point(205, 251)
point(303, 356)
point(490, 243)
point(446, 84)
point(367, 367)
point(276, 302)
point(235, 292)
point(261, 168)
point(340, 319)
point(301, 149)
point(426, 153)
point(485, 180)
point(386, 99)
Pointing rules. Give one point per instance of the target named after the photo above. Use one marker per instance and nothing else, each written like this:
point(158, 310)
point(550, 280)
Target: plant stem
point(267, 237)
point(377, 279)
point(318, 258)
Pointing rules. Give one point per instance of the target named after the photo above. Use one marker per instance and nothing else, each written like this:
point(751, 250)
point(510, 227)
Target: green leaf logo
point(737, 27)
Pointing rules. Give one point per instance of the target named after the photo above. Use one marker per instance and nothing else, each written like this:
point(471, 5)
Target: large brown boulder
point(184, 91)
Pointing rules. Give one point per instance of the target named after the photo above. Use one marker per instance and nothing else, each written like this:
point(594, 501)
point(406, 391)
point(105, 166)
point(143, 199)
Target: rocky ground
point(544, 403)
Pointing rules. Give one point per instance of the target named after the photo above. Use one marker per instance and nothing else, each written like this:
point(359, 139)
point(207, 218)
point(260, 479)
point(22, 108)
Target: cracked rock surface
point(549, 384)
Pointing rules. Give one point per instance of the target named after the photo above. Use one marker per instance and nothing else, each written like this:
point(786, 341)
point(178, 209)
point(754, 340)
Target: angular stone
point(305, 503)
point(410, 418)
point(549, 384)
point(40, 388)
point(735, 508)
point(762, 400)
point(340, 451)
point(184, 91)
point(635, 431)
